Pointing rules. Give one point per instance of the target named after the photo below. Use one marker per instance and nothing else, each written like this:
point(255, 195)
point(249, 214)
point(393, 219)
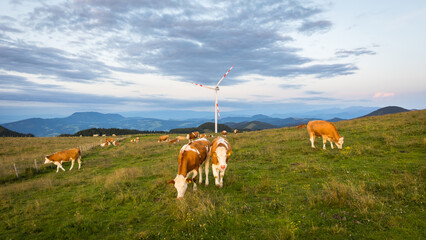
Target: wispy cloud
point(383, 94)
point(354, 52)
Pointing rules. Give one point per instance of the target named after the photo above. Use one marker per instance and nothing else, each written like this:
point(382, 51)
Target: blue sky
point(59, 57)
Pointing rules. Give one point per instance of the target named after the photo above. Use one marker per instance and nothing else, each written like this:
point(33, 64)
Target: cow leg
point(79, 162)
point(72, 164)
point(312, 141)
point(324, 141)
point(194, 174)
point(200, 177)
point(331, 144)
point(59, 166)
point(215, 169)
point(222, 174)
point(207, 170)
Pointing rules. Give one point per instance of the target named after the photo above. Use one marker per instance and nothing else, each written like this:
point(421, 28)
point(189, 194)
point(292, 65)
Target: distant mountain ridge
point(4, 132)
point(85, 120)
point(387, 110)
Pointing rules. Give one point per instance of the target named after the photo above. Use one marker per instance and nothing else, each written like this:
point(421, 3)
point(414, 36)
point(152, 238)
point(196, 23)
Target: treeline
point(108, 132)
point(4, 132)
point(203, 128)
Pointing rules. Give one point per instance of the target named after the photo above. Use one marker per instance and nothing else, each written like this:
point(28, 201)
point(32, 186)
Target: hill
point(386, 110)
point(275, 187)
point(251, 126)
point(4, 132)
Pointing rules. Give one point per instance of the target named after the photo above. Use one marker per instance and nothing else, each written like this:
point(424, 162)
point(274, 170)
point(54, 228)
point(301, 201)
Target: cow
point(108, 142)
point(203, 136)
point(327, 131)
point(220, 153)
point(236, 131)
point(115, 143)
point(191, 158)
point(192, 136)
point(224, 133)
point(163, 138)
point(64, 156)
point(181, 138)
point(113, 135)
point(173, 141)
point(301, 126)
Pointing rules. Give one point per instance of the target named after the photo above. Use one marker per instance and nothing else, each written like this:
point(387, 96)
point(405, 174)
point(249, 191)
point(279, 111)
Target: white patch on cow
point(46, 160)
point(221, 157)
point(339, 144)
point(190, 148)
point(181, 185)
point(221, 140)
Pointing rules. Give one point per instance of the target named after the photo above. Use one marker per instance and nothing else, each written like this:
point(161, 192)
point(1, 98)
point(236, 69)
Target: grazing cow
point(64, 156)
point(113, 135)
point(301, 126)
point(191, 158)
point(327, 131)
point(210, 136)
point(203, 136)
point(236, 131)
point(108, 142)
point(224, 133)
point(115, 143)
point(220, 153)
point(173, 141)
point(96, 135)
point(192, 136)
point(163, 138)
point(181, 138)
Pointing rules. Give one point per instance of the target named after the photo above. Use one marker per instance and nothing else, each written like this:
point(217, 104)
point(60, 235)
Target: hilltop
point(276, 187)
point(386, 110)
point(4, 132)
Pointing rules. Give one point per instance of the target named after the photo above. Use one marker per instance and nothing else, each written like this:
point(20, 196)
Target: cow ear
point(171, 181)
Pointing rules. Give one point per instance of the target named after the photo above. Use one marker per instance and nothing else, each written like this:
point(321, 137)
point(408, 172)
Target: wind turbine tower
point(216, 106)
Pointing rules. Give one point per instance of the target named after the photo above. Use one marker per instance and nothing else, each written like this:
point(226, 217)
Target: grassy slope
point(276, 187)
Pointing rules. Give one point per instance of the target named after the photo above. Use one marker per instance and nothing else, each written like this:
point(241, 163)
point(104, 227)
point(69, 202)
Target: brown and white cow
point(64, 156)
point(173, 141)
point(220, 153)
point(192, 136)
point(191, 158)
point(301, 126)
point(224, 133)
point(327, 131)
point(163, 138)
point(203, 135)
point(181, 138)
point(236, 131)
point(108, 142)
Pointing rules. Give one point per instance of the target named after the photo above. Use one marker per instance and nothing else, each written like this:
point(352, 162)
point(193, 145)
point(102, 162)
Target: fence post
point(35, 162)
point(16, 170)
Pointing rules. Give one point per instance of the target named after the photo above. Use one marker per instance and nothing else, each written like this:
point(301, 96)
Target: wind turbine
point(215, 89)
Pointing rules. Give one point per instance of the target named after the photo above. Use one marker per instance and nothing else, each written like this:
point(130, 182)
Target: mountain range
point(84, 120)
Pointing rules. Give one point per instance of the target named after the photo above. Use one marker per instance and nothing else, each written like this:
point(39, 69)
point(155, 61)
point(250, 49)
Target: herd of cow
point(200, 151)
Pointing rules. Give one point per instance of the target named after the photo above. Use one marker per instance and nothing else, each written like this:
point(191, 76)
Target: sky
point(138, 57)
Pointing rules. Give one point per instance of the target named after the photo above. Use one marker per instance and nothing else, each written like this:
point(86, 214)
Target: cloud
point(313, 92)
point(309, 27)
point(341, 53)
point(383, 94)
point(192, 41)
point(291, 86)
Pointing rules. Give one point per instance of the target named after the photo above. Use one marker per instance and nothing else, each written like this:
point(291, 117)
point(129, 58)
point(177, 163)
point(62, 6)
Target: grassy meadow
point(276, 187)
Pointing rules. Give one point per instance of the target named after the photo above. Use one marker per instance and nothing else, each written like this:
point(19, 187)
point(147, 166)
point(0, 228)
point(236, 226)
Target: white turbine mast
point(215, 89)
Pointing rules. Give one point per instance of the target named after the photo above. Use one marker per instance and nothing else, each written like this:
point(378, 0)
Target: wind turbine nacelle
point(217, 89)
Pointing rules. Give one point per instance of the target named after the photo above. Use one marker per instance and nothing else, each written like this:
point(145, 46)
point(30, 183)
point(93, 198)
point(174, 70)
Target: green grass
point(276, 187)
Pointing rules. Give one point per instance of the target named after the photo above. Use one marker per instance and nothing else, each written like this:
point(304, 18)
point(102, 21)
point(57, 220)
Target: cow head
point(46, 160)
point(181, 184)
point(339, 144)
point(222, 156)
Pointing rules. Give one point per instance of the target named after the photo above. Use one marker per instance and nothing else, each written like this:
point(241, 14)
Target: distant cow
point(163, 138)
point(203, 135)
point(220, 153)
point(181, 138)
point(108, 142)
point(113, 135)
point(224, 133)
point(236, 131)
point(115, 143)
point(301, 126)
point(327, 131)
point(173, 141)
point(192, 136)
point(64, 156)
point(191, 158)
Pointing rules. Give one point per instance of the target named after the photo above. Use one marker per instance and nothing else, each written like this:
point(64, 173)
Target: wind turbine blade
point(203, 86)
point(224, 76)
